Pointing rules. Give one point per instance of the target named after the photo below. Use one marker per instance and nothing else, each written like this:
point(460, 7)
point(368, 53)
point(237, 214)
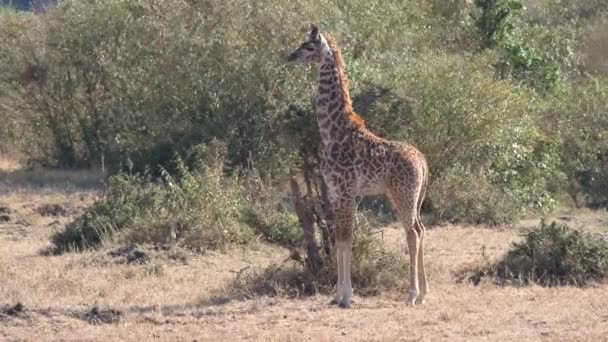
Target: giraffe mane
point(339, 62)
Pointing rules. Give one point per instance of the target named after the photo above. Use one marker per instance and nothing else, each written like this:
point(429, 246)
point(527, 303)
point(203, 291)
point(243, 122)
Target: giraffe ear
point(314, 33)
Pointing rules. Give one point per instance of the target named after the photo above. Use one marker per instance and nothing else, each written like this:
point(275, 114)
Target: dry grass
point(15, 178)
point(596, 47)
point(66, 297)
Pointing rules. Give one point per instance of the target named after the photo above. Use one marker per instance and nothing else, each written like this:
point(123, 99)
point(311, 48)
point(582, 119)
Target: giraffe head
point(310, 50)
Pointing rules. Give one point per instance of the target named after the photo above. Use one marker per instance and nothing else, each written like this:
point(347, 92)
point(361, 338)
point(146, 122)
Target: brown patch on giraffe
point(348, 104)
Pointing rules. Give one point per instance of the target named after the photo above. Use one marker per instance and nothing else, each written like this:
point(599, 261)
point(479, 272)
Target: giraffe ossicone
point(356, 162)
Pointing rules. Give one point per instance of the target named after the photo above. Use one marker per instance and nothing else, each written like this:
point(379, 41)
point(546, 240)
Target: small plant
point(494, 20)
point(154, 270)
point(554, 254)
point(269, 213)
point(274, 223)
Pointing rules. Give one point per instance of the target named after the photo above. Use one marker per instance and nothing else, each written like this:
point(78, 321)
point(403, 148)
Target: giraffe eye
point(310, 49)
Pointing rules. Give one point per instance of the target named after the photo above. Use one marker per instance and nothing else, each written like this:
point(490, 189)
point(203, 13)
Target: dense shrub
point(579, 117)
point(489, 90)
point(200, 210)
point(488, 139)
point(554, 254)
point(453, 200)
point(15, 135)
point(199, 207)
point(145, 80)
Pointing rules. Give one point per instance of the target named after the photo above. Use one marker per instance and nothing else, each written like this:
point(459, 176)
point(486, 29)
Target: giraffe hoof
point(334, 302)
point(344, 305)
point(413, 295)
point(420, 301)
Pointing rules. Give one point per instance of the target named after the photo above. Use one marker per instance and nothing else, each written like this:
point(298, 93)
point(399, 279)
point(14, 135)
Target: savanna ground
point(189, 298)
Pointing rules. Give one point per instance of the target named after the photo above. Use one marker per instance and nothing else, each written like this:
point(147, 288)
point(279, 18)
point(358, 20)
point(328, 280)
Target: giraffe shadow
point(372, 276)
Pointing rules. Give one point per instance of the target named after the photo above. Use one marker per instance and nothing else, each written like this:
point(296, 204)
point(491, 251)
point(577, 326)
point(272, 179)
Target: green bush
point(463, 196)
point(145, 80)
point(16, 135)
point(473, 128)
point(199, 209)
point(578, 115)
point(276, 225)
point(133, 83)
point(495, 20)
point(269, 212)
point(553, 254)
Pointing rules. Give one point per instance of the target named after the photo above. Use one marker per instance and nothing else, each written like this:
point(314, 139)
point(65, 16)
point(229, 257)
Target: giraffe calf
point(356, 162)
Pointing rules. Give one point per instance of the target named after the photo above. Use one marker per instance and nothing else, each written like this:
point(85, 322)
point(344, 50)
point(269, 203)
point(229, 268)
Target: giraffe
point(356, 162)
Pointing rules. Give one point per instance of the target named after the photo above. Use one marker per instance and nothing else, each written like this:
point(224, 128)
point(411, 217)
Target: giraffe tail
point(422, 194)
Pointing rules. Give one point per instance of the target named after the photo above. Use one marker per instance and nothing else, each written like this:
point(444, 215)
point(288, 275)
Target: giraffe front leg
point(344, 242)
point(345, 289)
point(339, 285)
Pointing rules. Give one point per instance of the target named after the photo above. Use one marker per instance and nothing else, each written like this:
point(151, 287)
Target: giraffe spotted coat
point(355, 162)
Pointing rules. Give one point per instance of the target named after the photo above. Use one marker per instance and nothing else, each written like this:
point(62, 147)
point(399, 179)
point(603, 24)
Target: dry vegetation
point(96, 296)
point(194, 124)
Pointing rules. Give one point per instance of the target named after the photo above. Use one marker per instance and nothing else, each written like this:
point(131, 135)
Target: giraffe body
point(355, 162)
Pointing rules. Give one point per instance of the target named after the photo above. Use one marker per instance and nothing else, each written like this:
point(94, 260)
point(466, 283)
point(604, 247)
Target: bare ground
point(89, 296)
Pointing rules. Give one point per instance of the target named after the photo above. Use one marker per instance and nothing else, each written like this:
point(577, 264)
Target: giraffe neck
point(331, 119)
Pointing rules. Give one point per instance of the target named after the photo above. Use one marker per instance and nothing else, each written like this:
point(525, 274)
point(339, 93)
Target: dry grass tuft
point(595, 54)
point(53, 210)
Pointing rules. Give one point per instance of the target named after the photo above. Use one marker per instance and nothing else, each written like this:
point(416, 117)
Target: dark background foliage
point(507, 98)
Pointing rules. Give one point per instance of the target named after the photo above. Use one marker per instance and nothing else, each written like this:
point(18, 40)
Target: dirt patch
point(16, 311)
point(54, 223)
point(9, 216)
point(54, 210)
point(5, 214)
point(97, 316)
point(130, 254)
point(23, 222)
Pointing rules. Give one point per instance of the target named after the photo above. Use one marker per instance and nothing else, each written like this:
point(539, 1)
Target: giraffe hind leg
point(406, 208)
point(424, 285)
